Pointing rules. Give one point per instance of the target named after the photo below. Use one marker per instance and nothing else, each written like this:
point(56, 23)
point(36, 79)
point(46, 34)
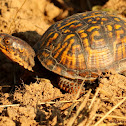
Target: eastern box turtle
point(76, 48)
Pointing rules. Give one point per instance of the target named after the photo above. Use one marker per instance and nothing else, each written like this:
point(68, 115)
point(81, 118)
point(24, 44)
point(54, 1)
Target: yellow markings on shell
point(57, 47)
point(117, 19)
point(98, 57)
point(59, 24)
point(66, 31)
point(104, 19)
point(75, 26)
point(118, 33)
point(84, 14)
point(88, 49)
point(49, 62)
point(98, 18)
point(89, 20)
point(106, 55)
point(83, 35)
point(114, 49)
point(119, 49)
point(85, 43)
point(94, 13)
point(110, 34)
point(57, 69)
point(67, 24)
point(82, 65)
point(51, 46)
point(81, 31)
point(109, 27)
point(96, 33)
point(117, 26)
point(46, 37)
point(50, 34)
point(71, 61)
point(60, 49)
point(92, 53)
point(119, 52)
point(94, 22)
point(91, 16)
point(80, 58)
point(102, 23)
point(78, 25)
point(123, 40)
point(69, 36)
point(93, 27)
point(45, 54)
point(64, 54)
point(75, 47)
point(65, 57)
point(123, 50)
point(111, 15)
point(51, 39)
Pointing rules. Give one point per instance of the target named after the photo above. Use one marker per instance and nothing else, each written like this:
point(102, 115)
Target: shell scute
point(85, 44)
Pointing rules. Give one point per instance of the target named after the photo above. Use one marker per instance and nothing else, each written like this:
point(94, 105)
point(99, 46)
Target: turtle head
point(17, 50)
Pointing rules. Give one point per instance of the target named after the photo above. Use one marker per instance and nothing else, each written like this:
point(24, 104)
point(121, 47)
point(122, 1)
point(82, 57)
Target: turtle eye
point(7, 41)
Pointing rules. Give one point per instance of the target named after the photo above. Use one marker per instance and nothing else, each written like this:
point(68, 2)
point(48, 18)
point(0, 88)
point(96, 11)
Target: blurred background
point(33, 15)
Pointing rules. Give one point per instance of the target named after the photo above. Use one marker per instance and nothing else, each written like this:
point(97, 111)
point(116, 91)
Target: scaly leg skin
point(70, 85)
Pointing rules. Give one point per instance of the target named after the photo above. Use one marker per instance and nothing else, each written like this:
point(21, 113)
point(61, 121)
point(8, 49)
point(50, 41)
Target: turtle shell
point(84, 45)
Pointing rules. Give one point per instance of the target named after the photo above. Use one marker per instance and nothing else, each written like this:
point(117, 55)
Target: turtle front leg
point(71, 85)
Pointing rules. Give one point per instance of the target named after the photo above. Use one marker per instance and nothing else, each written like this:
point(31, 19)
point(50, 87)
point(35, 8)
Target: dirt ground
point(38, 101)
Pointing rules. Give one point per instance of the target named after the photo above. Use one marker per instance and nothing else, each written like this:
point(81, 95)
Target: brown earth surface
point(39, 101)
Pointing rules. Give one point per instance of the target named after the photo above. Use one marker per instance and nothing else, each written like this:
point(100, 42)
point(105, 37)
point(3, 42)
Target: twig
point(92, 101)
point(92, 113)
point(58, 101)
point(83, 104)
point(15, 16)
point(109, 112)
point(9, 105)
point(73, 105)
point(111, 116)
